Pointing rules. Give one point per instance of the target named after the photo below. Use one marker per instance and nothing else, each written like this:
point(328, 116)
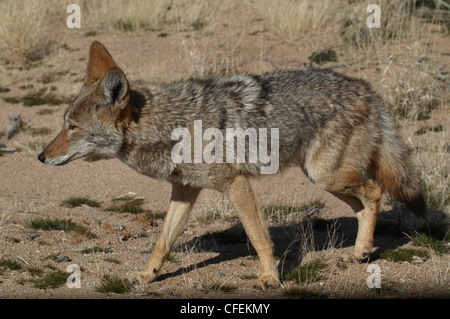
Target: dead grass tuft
point(24, 30)
point(149, 15)
point(291, 19)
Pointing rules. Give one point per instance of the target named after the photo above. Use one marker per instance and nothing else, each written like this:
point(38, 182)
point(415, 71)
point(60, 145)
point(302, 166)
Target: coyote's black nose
point(41, 157)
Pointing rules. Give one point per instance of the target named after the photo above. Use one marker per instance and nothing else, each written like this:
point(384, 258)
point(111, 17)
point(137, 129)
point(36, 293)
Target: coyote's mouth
point(63, 161)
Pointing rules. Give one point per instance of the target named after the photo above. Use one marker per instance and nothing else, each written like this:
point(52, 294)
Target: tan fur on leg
point(183, 198)
point(241, 194)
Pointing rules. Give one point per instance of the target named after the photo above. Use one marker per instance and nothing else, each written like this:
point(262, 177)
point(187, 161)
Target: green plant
point(403, 254)
point(52, 280)
point(113, 284)
point(59, 224)
point(96, 249)
point(52, 224)
point(309, 272)
point(219, 287)
point(282, 214)
point(80, 201)
point(40, 131)
point(10, 264)
point(428, 240)
point(40, 97)
point(127, 205)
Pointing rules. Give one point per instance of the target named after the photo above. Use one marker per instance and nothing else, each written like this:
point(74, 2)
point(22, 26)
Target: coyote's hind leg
point(364, 197)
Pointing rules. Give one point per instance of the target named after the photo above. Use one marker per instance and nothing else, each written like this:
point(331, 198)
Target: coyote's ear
point(100, 62)
point(115, 86)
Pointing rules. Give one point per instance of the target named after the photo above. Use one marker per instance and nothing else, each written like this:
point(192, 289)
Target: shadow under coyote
point(291, 242)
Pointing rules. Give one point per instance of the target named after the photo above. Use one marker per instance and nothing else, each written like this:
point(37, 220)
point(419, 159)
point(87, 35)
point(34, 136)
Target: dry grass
point(6, 211)
point(149, 15)
point(212, 56)
point(25, 32)
point(433, 163)
point(292, 19)
point(398, 23)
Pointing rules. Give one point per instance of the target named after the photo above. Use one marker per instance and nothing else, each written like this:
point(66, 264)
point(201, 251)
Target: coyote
point(332, 126)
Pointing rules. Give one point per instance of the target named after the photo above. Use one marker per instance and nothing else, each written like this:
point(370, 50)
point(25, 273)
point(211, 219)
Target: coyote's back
point(329, 124)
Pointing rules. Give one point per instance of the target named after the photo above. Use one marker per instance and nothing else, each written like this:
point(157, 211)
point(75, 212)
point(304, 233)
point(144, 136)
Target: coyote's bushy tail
point(395, 174)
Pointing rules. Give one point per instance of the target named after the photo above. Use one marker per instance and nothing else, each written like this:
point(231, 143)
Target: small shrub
point(403, 254)
point(127, 205)
point(52, 224)
point(10, 264)
point(40, 97)
point(96, 249)
point(249, 277)
point(322, 57)
point(219, 287)
point(35, 271)
point(80, 201)
point(281, 213)
point(310, 272)
point(113, 260)
point(430, 241)
point(60, 224)
point(46, 112)
point(41, 131)
point(51, 280)
point(113, 284)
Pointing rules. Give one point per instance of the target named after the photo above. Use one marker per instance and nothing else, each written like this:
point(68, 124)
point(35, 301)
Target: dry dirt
point(201, 265)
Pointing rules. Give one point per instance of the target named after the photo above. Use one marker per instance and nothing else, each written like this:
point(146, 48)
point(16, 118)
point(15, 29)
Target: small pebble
point(118, 227)
point(142, 234)
point(61, 259)
point(31, 236)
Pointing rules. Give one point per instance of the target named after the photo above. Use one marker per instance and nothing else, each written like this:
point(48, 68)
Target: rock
point(125, 237)
point(61, 259)
point(142, 234)
point(118, 227)
point(31, 236)
point(14, 124)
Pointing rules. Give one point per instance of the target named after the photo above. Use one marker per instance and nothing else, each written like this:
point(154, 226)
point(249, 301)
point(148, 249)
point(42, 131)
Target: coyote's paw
point(270, 281)
point(141, 277)
point(355, 256)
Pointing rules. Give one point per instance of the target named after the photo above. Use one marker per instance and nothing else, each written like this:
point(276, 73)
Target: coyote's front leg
point(241, 194)
point(181, 202)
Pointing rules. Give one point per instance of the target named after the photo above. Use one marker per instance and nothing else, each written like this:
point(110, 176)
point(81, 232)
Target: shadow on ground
point(293, 241)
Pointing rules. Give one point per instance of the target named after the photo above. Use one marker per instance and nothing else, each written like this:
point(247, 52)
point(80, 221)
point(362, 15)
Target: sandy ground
point(201, 265)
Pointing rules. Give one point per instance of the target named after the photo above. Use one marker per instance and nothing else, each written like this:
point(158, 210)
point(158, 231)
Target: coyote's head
point(95, 121)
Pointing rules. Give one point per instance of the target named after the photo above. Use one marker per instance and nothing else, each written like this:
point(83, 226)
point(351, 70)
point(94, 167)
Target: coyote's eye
point(71, 127)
